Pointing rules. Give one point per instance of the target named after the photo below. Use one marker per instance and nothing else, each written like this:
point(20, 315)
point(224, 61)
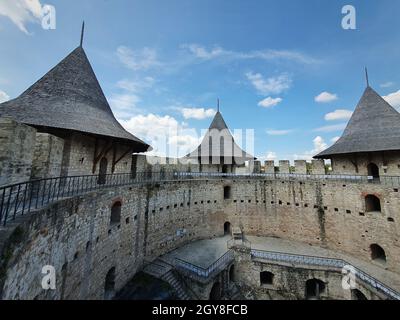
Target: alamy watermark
point(49, 278)
point(49, 17)
point(349, 21)
point(349, 277)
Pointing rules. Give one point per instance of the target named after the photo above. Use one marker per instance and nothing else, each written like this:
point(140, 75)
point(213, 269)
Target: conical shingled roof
point(69, 97)
point(374, 126)
point(211, 145)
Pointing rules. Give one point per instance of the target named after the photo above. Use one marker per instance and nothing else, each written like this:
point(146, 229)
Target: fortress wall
point(289, 282)
point(387, 162)
point(47, 156)
point(269, 166)
point(76, 237)
point(300, 166)
point(165, 216)
point(323, 214)
point(16, 152)
point(317, 167)
point(79, 156)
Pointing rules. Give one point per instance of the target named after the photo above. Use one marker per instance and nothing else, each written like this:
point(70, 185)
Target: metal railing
point(22, 198)
point(19, 199)
point(241, 243)
point(325, 262)
point(204, 274)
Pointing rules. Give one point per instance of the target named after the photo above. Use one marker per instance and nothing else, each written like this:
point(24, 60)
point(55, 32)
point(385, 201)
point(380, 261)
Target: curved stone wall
point(76, 236)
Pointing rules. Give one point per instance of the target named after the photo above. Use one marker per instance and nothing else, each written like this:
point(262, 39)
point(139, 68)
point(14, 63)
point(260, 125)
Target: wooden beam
point(107, 147)
point(116, 161)
point(355, 162)
point(113, 159)
point(96, 146)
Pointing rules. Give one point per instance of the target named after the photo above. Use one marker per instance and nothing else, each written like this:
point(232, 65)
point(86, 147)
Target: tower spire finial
point(366, 76)
point(218, 104)
point(82, 33)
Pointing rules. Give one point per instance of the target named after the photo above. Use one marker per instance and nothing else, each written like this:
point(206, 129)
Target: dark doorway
point(314, 289)
point(372, 203)
point(116, 213)
point(373, 171)
point(215, 293)
point(377, 253)
point(266, 278)
point(109, 287)
point(232, 273)
point(227, 192)
point(227, 229)
point(225, 168)
point(357, 295)
point(102, 171)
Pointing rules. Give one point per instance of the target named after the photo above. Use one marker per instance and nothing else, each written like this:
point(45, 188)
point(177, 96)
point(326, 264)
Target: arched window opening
point(314, 289)
point(102, 171)
point(357, 295)
point(227, 228)
point(373, 171)
point(109, 287)
point(372, 203)
point(266, 278)
point(215, 293)
point(116, 213)
point(377, 253)
point(227, 192)
point(232, 273)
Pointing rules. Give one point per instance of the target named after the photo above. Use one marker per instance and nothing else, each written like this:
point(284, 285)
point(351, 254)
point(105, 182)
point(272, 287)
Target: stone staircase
point(164, 271)
point(234, 293)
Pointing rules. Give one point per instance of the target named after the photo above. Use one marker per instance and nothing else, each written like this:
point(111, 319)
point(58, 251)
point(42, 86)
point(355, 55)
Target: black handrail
point(201, 273)
point(21, 198)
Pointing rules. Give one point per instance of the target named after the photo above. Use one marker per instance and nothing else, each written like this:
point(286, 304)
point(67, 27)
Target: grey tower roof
point(211, 145)
point(374, 126)
point(69, 97)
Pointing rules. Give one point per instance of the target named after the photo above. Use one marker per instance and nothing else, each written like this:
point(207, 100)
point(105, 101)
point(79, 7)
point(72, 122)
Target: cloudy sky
point(284, 68)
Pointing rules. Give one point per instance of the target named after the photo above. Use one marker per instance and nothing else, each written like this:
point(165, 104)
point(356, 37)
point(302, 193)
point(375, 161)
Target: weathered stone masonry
point(76, 237)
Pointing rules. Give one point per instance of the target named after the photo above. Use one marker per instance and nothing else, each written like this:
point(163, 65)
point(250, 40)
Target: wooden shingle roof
point(374, 126)
point(69, 97)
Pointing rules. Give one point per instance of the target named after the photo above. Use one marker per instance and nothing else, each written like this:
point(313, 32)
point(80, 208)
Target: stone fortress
point(78, 193)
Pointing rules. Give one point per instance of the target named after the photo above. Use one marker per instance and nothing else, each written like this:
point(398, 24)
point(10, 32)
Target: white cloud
point(331, 128)
point(143, 59)
point(197, 113)
point(273, 85)
point(165, 134)
point(278, 132)
point(325, 97)
point(136, 85)
point(269, 102)
point(271, 155)
point(387, 84)
point(340, 114)
point(319, 146)
point(334, 139)
point(201, 52)
point(393, 99)
point(21, 12)
point(124, 105)
point(4, 96)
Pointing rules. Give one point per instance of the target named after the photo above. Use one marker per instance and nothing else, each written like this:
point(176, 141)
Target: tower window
point(116, 213)
point(372, 203)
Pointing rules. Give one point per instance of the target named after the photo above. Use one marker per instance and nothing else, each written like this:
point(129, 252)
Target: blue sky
point(163, 64)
